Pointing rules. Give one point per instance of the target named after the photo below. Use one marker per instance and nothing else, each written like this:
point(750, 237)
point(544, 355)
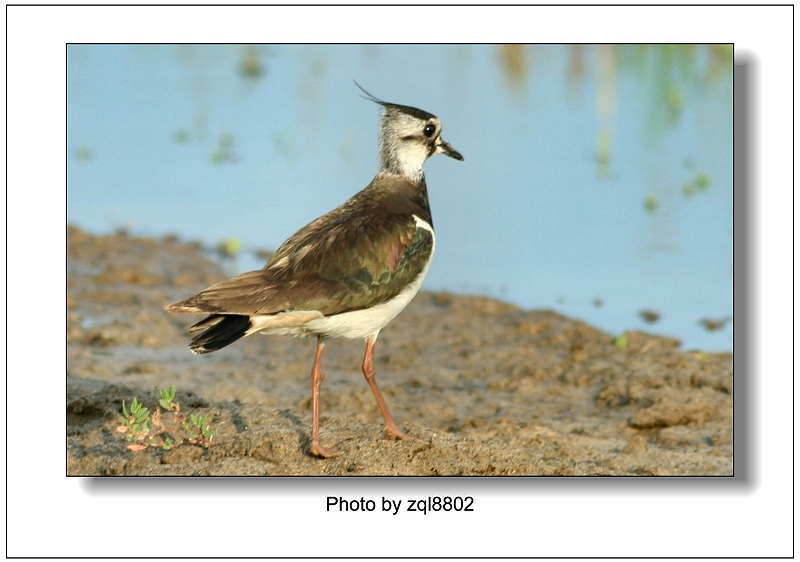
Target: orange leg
point(391, 429)
point(316, 383)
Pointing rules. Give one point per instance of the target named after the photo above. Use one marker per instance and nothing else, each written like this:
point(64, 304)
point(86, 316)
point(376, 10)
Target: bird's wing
point(333, 265)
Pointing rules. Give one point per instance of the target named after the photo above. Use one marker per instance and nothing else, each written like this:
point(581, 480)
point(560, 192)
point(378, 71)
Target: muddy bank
point(494, 389)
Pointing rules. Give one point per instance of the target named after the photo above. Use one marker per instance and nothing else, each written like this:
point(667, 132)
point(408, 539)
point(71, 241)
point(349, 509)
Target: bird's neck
point(407, 195)
point(407, 164)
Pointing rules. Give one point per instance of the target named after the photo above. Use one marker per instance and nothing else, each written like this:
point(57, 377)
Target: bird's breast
point(362, 323)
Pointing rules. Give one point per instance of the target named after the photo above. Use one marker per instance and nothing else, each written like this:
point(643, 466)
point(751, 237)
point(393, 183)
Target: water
point(597, 181)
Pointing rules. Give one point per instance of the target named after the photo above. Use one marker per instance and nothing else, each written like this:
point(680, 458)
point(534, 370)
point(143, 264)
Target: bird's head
point(408, 137)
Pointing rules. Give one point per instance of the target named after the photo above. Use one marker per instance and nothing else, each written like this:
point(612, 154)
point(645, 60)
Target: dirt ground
point(493, 389)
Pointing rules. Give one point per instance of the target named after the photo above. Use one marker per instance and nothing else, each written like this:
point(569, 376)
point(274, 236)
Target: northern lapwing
point(346, 274)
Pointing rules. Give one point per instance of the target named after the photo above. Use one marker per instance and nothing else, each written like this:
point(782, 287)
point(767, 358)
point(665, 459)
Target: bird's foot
point(324, 452)
point(394, 432)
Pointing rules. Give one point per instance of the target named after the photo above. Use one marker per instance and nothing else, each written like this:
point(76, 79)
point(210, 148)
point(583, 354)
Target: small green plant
point(225, 152)
point(622, 341)
point(201, 423)
point(181, 136)
point(137, 419)
point(229, 248)
point(703, 180)
point(84, 153)
point(164, 431)
point(167, 400)
point(650, 203)
point(700, 183)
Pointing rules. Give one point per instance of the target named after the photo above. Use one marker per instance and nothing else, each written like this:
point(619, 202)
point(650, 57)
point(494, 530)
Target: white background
point(51, 515)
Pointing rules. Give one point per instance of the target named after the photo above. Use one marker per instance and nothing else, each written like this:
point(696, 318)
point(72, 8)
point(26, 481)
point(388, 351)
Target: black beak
point(450, 151)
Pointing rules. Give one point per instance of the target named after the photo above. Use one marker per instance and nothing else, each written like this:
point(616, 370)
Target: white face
point(408, 141)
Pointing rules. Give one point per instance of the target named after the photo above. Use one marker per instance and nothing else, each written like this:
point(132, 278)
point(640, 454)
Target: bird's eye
point(429, 130)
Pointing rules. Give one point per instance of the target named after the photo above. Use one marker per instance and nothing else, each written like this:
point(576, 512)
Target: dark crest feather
point(369, 96)
point(407, 109)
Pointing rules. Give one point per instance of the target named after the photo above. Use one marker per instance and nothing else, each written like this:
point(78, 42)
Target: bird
point(346, 274)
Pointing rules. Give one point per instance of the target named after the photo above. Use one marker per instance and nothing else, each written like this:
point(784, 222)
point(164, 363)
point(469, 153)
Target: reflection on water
point(516, 65)
point(597, 180)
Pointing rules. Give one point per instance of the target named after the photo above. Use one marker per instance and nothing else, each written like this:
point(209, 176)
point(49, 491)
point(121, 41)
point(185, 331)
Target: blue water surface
point(597, 181)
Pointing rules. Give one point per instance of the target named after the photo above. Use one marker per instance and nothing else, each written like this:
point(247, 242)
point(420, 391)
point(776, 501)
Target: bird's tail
point(218, 331)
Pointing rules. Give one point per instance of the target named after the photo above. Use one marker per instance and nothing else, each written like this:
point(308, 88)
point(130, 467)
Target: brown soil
point(496, 390)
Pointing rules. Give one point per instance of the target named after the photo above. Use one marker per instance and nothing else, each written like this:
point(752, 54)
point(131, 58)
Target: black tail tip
point(222, 330)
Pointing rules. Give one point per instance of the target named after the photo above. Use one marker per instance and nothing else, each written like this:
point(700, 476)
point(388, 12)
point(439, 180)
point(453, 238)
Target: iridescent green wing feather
point(358, 263)
point(338, 267)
